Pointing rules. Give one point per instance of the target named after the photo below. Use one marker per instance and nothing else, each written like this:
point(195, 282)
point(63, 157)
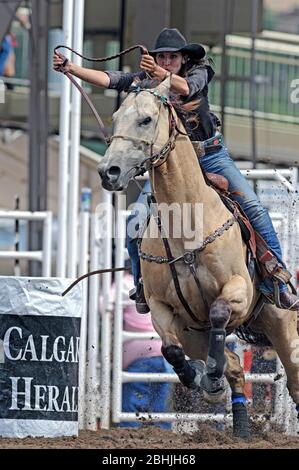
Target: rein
point(102, 128)
point(92, 273)
point(152, 159)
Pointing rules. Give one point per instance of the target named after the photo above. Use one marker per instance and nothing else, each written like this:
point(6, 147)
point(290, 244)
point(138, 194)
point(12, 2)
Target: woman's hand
point(96, 77)
point(149, 65)
point(61, 63)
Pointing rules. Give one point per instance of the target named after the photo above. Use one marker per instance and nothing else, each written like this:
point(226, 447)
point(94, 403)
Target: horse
point(196, 296)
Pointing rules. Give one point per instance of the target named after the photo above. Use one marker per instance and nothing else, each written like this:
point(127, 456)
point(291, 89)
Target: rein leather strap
point(103, 130)
point(84, 276)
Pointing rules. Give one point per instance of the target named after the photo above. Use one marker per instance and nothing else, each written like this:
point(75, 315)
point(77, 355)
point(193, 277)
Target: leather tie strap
point(92, 273)
point(103, 130)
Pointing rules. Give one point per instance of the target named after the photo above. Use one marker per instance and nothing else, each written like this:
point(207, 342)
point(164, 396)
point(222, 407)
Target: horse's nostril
point(113, 172)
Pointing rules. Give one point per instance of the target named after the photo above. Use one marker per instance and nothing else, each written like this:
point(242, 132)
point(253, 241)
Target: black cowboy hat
point(171, 40)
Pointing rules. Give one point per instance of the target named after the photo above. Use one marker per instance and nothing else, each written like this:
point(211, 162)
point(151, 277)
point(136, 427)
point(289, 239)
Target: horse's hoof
point(215, 391)
point(215, 387)
point(199, 368)
point(215, 397)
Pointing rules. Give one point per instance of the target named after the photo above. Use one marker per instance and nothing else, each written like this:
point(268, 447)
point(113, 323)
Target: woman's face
point(171, 61)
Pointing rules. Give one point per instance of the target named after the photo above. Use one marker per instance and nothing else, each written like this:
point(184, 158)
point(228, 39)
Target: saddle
point(259, 255)
point(219, 182)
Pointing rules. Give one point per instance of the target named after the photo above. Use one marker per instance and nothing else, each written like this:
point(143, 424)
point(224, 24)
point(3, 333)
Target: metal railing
point(44, 255)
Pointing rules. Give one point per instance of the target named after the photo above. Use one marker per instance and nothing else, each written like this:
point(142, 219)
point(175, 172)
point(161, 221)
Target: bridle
point(156, 159)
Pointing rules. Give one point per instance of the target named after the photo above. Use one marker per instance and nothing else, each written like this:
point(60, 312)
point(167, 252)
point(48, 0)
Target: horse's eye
point(146, 121)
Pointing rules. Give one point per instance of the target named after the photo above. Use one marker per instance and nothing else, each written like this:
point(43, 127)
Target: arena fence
point(43, 256)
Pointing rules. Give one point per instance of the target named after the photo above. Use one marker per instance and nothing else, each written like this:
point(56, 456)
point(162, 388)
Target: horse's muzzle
point(110, 178)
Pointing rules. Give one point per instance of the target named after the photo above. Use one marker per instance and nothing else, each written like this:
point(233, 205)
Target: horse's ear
point(164, 87)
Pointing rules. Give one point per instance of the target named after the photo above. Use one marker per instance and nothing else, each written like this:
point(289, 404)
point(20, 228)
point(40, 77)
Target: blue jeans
point(136, 220)
point(146, 396)
point(221, 163)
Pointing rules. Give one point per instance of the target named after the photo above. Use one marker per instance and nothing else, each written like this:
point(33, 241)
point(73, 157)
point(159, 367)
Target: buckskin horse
point(196, 297)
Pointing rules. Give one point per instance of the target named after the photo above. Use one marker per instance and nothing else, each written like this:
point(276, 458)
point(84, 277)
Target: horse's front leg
point(167, 325)
point(213, 380)
point(234, 298)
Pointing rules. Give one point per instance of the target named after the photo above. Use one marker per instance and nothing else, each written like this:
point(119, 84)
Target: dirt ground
point(152, 437)
point(264, 434)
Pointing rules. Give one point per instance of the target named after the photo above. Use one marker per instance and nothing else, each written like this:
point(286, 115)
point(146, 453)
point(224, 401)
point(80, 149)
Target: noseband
point(158, 158)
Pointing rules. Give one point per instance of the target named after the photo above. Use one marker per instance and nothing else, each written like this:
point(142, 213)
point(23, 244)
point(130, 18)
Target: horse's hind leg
point(280, 326)
point(235, 376)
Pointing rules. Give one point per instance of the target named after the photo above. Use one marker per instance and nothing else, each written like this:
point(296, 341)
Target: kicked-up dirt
point(153, 437)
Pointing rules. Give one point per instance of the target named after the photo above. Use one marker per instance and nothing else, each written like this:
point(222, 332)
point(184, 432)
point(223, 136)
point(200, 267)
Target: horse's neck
point(180, 181)
point(180, 178)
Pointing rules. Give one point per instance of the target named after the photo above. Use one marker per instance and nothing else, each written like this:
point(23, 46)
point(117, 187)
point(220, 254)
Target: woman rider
point(190, 75)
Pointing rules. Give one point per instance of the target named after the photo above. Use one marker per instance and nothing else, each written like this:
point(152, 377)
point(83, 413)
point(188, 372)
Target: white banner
point(39, 357)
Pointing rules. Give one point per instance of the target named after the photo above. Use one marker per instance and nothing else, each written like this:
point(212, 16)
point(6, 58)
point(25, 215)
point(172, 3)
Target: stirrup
point(137, 295)
point(275, 297)
point(270, 299)
point(141, 304)
point(132, 293)
point(293, 304)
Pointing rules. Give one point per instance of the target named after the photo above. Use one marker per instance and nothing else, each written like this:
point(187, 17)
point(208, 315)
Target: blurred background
point(255, 47)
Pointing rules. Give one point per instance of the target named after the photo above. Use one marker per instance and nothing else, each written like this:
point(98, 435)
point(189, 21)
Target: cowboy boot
point(289, 301)
point(137, 294)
